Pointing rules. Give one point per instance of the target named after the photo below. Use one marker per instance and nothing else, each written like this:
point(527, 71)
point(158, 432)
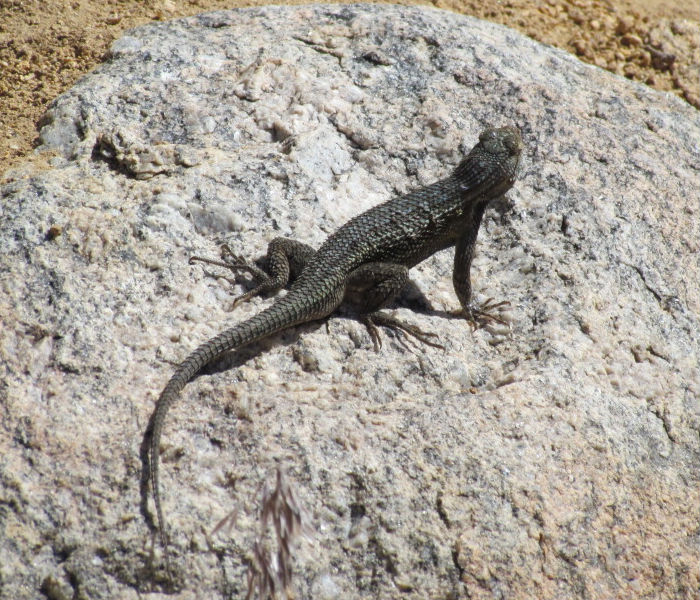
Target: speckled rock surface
point(556, 458)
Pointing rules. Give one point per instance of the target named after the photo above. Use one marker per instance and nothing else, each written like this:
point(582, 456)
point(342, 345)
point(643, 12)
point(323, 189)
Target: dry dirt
point(46, 45)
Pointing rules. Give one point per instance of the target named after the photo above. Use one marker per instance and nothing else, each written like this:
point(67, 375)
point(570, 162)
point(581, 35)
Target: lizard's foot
point(479, 316)
point(238, 264)
point(403, 330)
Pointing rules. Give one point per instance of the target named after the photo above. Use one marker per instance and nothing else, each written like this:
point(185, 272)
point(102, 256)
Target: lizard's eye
point(512, 143)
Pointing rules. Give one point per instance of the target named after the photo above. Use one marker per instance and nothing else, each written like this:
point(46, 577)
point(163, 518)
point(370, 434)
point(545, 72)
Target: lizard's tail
point(282, 314)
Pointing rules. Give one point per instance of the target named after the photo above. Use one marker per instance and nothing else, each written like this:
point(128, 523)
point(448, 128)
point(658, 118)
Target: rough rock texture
point(560, 459)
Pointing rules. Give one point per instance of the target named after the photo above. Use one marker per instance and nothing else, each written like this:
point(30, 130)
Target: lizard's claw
point(479, 316)
point(373, 332)
point(233, 262)
point(403, 330)
point(237, 264)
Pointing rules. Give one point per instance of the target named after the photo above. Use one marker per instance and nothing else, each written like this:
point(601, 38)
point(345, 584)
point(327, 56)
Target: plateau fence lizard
point(365, 263)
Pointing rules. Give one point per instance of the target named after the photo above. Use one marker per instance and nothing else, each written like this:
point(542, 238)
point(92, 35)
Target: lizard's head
point(491, 167)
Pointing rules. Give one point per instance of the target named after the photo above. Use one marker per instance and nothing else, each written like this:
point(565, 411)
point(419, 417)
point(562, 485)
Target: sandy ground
point(46, 45)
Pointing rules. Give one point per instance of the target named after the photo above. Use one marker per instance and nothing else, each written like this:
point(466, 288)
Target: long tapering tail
point(282, 314)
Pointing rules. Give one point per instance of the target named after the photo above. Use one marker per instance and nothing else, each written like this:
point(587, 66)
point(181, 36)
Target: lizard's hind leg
point(371, 287)
point(285, 260)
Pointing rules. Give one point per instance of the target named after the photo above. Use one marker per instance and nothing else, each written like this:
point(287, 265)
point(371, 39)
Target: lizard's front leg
point(371, 287)
point(461, 279)
point(285, 260)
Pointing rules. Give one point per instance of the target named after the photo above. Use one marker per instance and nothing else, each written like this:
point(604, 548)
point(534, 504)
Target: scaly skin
point(365, 262)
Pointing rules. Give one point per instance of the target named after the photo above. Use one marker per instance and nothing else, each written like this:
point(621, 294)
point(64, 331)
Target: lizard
point(365, 263)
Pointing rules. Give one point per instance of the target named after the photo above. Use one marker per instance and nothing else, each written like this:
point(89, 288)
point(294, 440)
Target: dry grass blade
point(270, 573)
